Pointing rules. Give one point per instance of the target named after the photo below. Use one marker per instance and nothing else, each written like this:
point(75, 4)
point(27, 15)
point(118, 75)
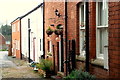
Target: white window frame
point(82, 29)
point(50, 45)
point(13, 28)
point(18, 26)
point(80, 18)
point(103, 26)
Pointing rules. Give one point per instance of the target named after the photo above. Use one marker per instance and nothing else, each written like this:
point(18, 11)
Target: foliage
point(6, 30)
point(3, 50)
point(49, 29)
point(45, 65)
point(80, 75)
point(59, 26)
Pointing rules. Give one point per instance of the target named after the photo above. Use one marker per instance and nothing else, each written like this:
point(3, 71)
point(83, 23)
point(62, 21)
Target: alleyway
point(14, 68)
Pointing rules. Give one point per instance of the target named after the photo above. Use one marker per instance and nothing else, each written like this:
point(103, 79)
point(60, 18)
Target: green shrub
point(49, 29)
point(45, 65)
point(3, 50)
point(80, 75)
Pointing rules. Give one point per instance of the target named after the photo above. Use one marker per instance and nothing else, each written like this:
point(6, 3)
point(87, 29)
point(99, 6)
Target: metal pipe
point(87, 36)
point(43, 29)
point(20, 41)
point(29, 40)
point(65, 40)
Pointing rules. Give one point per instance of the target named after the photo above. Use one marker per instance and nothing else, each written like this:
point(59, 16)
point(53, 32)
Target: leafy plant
point(49, 29)
point(3, 50)
point(45, 65)
point(80, 75)
point(59, 26)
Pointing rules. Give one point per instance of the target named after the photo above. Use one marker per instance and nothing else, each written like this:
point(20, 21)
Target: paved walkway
point(15, 68)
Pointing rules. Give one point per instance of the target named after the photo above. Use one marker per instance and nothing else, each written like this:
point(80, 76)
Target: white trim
point(82, 29)
point(50, 46)
point(60, 53)
point(101, 30)
point(18, 26)
point(80, 10)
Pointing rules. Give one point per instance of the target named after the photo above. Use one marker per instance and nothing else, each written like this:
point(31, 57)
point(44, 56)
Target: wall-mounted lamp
point(57, 13)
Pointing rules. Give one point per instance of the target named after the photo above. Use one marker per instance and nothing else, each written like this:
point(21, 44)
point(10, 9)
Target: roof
point(32, 10)
point(15, 19)
point(28, 12)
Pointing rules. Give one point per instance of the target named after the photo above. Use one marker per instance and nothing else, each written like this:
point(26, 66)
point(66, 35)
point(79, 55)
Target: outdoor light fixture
point(57, 13)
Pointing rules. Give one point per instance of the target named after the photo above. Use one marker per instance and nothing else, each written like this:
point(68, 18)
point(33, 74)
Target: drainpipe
point(87, 37)
point(43, 29)
point(65, 39)
point(20, 41)
point(29, 30)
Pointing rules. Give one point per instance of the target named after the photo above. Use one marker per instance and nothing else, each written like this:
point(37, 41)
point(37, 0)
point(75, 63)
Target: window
point(102, 31)
point(13, 28)
point(18, 26)
point(102, 13)
point(82, 28)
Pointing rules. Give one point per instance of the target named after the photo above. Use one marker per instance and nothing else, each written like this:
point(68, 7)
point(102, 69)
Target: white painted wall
point(36, 26)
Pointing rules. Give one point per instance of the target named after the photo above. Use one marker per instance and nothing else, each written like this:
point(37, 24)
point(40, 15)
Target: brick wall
point(2, 40)
point(51, 18)
point(114, 39)
point(92, 30)
point(16, 37)
point(73, 33)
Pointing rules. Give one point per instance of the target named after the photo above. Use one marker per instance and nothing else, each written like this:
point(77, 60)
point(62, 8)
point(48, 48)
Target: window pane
point(82, 13)
point(101, 42)
point(102, 13)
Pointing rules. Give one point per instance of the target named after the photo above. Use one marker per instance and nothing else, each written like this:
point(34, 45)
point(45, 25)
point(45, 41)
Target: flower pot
point(47, 74)
point(49, 32)
point(58, 31)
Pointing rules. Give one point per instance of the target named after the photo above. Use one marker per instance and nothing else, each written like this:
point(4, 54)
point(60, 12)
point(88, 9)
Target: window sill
point(98, 62)
point(80, 58)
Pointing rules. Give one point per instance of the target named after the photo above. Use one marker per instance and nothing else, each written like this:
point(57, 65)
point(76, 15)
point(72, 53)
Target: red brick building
point(2, 42)
point(16, 51)
point(103, 36)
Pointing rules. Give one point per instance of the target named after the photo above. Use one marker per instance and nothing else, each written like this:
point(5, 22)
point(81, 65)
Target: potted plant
point(46, 66)
point(49, 31)
point(58, 30)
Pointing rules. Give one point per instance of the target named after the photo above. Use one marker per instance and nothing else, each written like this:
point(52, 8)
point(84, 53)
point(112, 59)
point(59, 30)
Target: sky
point(11, 9)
